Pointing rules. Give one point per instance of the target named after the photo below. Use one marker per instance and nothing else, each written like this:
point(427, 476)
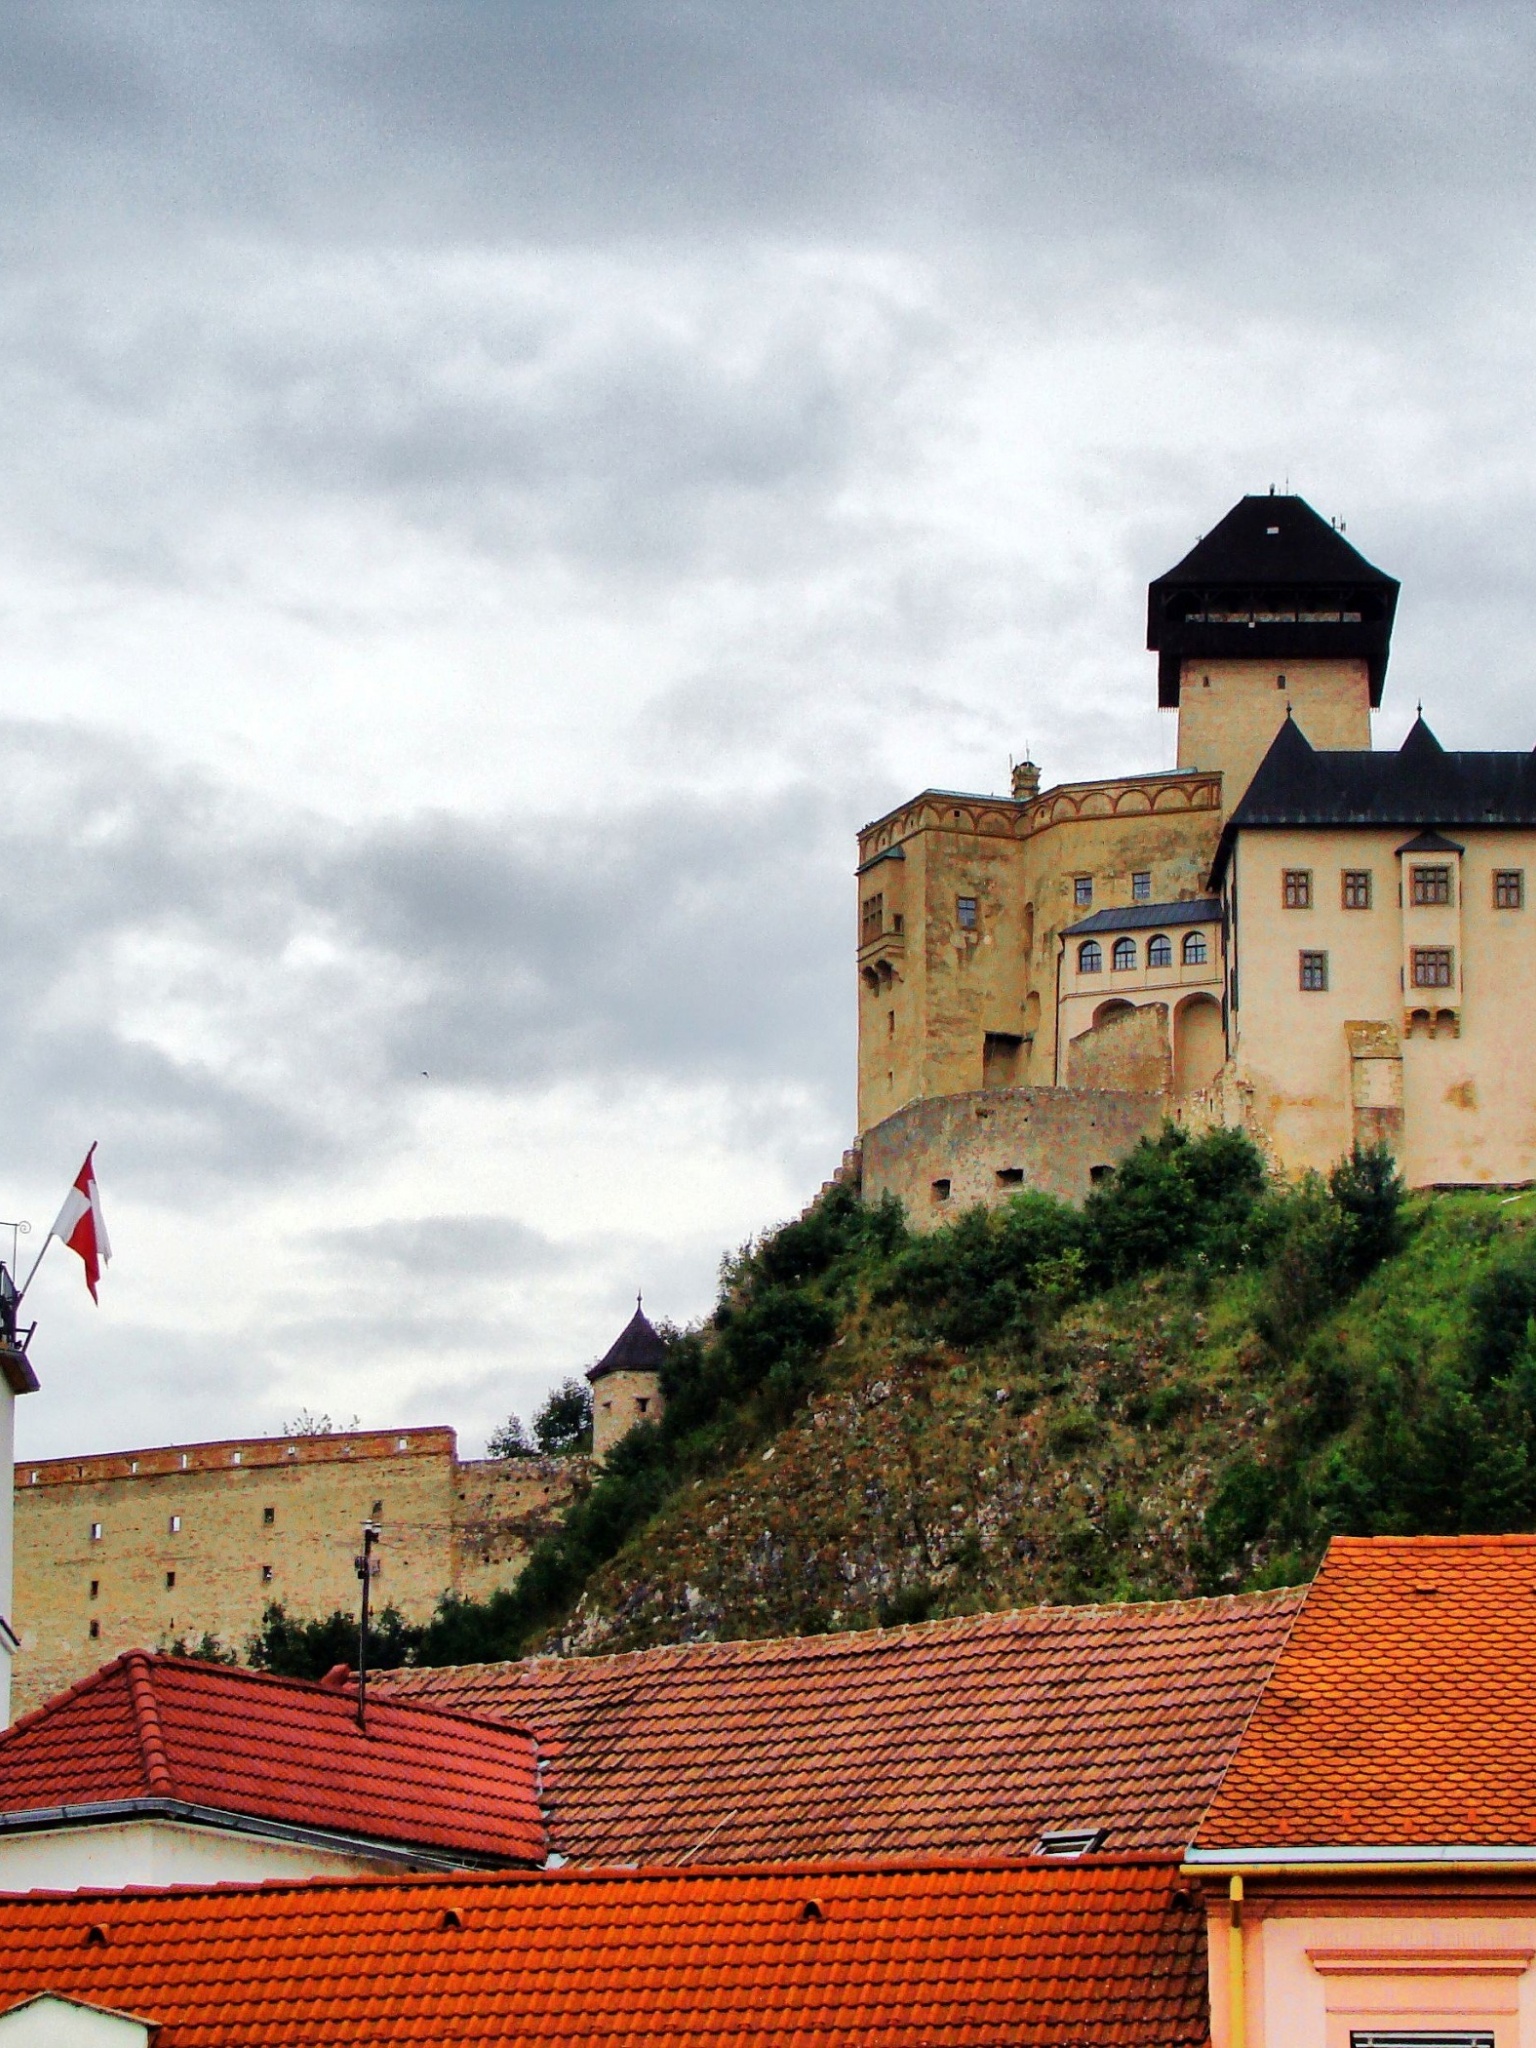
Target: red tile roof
point(957, 1737)
point(1097, 1954)
point(1400, 1711)
point(168, 1729)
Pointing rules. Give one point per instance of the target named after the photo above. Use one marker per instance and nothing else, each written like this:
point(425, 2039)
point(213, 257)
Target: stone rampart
point(952, 1151)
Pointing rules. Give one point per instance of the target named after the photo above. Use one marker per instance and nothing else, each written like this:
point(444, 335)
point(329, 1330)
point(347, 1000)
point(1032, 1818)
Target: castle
point(1286, 932)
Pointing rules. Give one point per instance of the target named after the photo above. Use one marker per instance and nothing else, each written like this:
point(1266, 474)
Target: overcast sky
point(493, 496)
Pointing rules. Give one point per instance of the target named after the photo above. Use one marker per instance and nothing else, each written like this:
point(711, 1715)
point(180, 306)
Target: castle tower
point(1272, 614)
point(626, 1384)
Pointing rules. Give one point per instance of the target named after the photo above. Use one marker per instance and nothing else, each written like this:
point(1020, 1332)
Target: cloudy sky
point(492, 496)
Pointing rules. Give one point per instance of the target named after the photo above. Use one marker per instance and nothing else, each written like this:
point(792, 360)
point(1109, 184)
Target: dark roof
point(1272, 581)
point(1420, 786)
point(1137, 917)
point(1430, 842)
point(636, 1349)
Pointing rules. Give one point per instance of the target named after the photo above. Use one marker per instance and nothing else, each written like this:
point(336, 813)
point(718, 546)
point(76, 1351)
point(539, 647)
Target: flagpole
point(48, 1240)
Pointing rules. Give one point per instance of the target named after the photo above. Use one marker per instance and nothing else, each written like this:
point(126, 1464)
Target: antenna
point(367, 1570)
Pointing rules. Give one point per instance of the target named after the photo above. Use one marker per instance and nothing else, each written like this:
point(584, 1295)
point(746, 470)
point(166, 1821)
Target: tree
point(511, 1440)
point(564, 1423)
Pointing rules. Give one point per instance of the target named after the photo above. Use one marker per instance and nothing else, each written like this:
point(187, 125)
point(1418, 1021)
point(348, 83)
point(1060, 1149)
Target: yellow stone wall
point(622, 1401)
point(260, 1519)
point(1468, 1106)
point(1230, 711)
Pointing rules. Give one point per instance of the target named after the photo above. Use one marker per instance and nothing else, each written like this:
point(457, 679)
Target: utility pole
point(367, 1570)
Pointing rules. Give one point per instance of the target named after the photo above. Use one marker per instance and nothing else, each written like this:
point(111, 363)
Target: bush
point(1174, 1198)
point(992, 1273)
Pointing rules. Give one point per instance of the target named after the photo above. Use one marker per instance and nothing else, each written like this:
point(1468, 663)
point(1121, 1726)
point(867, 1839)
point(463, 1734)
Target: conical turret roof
point(636, 1349)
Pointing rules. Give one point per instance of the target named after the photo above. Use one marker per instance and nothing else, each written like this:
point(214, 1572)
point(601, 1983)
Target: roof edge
point(1361, 1856)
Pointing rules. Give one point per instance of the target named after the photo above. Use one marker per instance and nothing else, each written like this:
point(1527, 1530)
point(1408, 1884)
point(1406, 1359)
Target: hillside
point(1186, 1387)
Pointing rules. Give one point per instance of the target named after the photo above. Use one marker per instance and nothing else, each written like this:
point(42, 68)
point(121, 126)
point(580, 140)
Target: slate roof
point(1421, 785)
point(1271, 555)
point(1399, 1713)
point(637, 1348)
point(1135, 917)
point(167, 1734)
point(970, 1736)
point(1096, 1954)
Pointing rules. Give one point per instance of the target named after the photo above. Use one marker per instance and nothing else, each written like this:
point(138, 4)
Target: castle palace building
point(1287, 932)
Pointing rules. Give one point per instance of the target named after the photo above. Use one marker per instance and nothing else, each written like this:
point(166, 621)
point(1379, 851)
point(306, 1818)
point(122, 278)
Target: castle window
point(872, 924)
point(1194, 949)
point(1123, 955)
point(941, 1191)
point(1509, 889)
point(1090, 957)
point(170, 1581)
point(643, 1402)
point(1160, 951)
point(890, 1023)
point(1298, 888)
point(95, 1589)
point(95, 1532)
point(1314, 971)
point(268, 1517)
point(1430, 885)
point(898, 923)
point(1010, 1176)
point(1082, 891)
point(95, 1631)
point(1141, 887)
point(1355, 888)
point(175, 1525)
point(965, 913)
point(1433, 967)
point(266, 1575)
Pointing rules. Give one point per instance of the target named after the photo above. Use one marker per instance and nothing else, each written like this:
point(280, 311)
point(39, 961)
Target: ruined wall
point(941, 1156)
point(180, 1540)
point(1130, 1049)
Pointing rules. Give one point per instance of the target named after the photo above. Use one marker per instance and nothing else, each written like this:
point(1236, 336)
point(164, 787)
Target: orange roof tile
point(1103, 1952)
point(954, 1737)
point(169, 1730)
point(1400, 1711)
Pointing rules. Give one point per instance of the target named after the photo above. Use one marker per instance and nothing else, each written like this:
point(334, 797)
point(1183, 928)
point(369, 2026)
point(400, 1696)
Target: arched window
point(1124, 954)
point(1194, 949)
point(1160, 951)
point(1090, 957)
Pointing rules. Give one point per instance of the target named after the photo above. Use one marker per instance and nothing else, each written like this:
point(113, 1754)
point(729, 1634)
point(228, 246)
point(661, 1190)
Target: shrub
point(1172, 1199)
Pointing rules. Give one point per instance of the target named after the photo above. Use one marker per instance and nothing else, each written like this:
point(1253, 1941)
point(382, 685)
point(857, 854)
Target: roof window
point(1071, 1841)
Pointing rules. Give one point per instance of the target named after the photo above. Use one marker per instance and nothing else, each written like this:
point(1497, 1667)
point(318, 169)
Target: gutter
point(1322, 1860)
point(90, 1813)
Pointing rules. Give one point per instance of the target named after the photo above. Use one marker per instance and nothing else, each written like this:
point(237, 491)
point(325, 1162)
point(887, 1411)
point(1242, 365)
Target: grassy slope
point(1150, 1443)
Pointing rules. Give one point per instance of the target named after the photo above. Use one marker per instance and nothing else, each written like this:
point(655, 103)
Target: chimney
point(1026, 782)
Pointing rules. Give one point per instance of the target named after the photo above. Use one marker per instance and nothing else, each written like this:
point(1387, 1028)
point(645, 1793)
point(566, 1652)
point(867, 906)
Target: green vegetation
point(1187, 1386)
point(561, 1426)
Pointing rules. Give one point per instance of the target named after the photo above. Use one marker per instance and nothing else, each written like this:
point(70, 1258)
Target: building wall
point(1230, 711)
point(933, 993)
point(159, 1852)
point(1467, 1112)
point(260, 1519)
point(622, 1401)
point(942, 1156)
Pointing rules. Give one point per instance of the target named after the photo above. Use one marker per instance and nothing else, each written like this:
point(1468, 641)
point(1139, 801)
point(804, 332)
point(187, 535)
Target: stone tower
point(626, 1384)
point(1272, 613)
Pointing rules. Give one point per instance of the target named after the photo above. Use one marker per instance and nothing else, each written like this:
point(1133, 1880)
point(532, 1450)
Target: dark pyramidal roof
point(636, 1349)
point(1420, 787)
point(1272, 581)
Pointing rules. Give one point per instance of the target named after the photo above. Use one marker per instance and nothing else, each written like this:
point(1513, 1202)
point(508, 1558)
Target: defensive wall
point(137, 1549)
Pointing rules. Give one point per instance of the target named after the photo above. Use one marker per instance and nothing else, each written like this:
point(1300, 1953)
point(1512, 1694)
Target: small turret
point(1026, 782)
point(626, 1383)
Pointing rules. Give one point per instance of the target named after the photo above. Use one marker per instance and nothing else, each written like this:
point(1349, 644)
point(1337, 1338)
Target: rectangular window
point(95, 1631)
point(1297, 888)
point(95, 1532)
point(1433, 967)
point(1141, 888)
point(95, 1589)
point(1356, 889)
point(1314, 970)
point(1082, 891)
point(1430, 885)
point(268, 1517)
point(1509, 889)
point(266, 1575)
point(965, 912)
point(175, 1525)
point(170, 1580)
point(872, 923)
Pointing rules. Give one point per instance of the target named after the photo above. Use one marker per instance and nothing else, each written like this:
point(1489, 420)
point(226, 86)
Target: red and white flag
point(81, 1225)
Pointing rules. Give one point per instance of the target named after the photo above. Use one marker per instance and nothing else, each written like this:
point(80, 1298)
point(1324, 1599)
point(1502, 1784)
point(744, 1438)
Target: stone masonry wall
point(177, 1541)
point(946, 1154)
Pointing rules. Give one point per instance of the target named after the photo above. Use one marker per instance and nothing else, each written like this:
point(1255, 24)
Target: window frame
point(1189, 956)
point(1084, 964)
point(1296, 888)
point(1141, 885)
point(1160, 939)
point(1082, 892)
point(1514, 880)
point(1362, 882)
point(872, 918)
point(1420, 874)
point(968, 913)
point(1124, 944)
point(1312, 960)
point(1419, 959)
